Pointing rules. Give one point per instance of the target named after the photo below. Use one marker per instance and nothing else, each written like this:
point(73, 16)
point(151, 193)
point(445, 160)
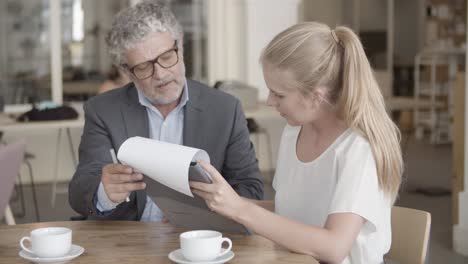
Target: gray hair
point(134, 24)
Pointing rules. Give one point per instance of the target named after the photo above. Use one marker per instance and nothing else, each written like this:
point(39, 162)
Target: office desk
point(81, 87)
point(139, 242)
point(10, 125)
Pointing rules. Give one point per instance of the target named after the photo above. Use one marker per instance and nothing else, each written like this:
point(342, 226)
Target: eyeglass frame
point(153, 61)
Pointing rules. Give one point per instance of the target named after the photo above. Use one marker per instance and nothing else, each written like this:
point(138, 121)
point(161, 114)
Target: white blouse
point(343, 179)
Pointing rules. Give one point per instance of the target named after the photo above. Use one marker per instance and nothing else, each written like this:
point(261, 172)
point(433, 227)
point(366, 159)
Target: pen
point(114, 160)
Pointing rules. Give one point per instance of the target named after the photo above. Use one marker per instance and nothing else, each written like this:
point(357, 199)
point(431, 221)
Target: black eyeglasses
point(166, 60)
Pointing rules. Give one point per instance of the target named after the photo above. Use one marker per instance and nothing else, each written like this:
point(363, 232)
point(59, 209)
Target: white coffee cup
point(49, 242)
point(203, 245)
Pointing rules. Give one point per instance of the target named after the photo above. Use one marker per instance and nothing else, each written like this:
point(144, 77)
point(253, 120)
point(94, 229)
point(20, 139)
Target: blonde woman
point(339, 165)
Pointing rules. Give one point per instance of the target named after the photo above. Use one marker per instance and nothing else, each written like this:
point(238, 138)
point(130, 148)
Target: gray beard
point(164, 101)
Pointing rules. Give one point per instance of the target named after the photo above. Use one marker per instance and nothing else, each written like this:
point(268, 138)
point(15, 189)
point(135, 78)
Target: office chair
point(11, 157)
point(410, 235)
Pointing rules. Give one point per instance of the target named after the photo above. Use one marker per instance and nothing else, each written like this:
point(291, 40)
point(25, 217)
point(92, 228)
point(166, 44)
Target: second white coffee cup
point(49, 242)
point(203, 245)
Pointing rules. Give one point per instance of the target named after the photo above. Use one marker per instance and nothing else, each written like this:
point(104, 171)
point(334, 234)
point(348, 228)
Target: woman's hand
point(219, 195)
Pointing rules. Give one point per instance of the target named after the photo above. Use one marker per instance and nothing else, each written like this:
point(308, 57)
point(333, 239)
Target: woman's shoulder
point(353, 142)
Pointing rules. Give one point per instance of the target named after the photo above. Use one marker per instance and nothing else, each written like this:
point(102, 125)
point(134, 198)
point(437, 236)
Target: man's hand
point(120, 180)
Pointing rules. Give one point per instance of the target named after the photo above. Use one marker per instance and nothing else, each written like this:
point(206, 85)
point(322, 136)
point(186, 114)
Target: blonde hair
point(334, 59)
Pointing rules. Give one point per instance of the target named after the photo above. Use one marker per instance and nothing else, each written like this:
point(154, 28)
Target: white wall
point(265, 19)
point(238, 30)
point(226, 40)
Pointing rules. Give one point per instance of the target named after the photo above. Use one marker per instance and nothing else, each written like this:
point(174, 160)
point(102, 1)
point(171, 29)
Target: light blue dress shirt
point(169, 129)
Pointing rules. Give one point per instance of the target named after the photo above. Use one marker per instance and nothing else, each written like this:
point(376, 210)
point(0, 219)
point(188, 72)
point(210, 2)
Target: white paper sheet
point(163, 162)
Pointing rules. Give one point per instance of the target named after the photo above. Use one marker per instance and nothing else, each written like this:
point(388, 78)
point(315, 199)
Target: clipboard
point(197, 173)
point(189, 212)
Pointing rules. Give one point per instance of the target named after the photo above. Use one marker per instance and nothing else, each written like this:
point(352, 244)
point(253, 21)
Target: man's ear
point(126, 73)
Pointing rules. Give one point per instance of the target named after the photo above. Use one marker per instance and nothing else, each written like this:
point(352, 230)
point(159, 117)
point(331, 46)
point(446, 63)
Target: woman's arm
point(266, 204)
point(331, 243)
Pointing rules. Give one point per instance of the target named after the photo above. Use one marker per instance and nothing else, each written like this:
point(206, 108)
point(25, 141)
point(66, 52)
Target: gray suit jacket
point(213, 121)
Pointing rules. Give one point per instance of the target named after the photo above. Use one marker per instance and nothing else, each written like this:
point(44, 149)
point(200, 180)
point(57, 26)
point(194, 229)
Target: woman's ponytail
point(364, 110)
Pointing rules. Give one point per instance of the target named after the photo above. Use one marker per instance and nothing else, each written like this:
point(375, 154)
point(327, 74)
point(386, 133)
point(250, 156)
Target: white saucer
point(75, 251)
point(177, 257)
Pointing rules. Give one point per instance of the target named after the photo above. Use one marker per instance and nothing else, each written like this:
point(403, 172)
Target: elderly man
point(146, 42)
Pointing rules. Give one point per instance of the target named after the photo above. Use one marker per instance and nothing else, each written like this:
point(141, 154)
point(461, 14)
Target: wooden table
point(139, 242)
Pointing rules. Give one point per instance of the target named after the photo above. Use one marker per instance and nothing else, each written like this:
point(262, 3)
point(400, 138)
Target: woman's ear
point(320, 94)
point(308, 100)
point(315, 98)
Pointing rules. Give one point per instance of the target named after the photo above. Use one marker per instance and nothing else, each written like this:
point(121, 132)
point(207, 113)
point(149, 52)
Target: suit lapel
point(193, 120)
point(135, 117)
point(136, 122)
